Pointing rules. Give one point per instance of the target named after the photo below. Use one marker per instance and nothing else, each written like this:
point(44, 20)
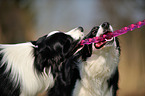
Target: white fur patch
point(20, 59)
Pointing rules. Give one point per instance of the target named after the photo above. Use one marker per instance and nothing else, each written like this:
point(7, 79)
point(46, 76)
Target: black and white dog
point(29, 68)
point(99, 67)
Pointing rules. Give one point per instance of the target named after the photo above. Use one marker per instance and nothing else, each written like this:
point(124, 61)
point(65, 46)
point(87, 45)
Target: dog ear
point(41, 53)
point(66, 47)
point(69, 48)
point(39, 41)
point(42, 58)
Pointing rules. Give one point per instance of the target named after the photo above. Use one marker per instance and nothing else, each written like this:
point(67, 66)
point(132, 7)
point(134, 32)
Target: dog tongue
point(100, 44)
point(109, 38)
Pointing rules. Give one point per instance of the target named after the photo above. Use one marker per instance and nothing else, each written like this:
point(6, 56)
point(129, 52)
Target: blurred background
point(26, 20)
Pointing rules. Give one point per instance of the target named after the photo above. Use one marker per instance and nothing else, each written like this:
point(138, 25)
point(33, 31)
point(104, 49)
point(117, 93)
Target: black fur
point(113, 81)
point(66, 78)
point(53, 50)
point(61, 60)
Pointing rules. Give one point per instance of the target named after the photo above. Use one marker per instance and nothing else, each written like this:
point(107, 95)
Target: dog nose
point(81, 29)
point(105, 25)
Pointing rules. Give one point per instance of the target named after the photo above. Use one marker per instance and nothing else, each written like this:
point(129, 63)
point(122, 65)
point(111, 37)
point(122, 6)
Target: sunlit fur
point(28, 68)
point(99, 68)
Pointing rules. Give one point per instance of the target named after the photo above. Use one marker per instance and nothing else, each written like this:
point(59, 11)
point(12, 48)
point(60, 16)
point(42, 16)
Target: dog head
point(104, 29)
point(98, 31)
point(51, 49)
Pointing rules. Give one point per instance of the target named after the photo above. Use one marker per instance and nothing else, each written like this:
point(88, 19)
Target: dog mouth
point(106, 42)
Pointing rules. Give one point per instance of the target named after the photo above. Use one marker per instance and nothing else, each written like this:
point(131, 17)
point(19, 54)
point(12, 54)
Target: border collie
point(99, 68)
point(30, 68)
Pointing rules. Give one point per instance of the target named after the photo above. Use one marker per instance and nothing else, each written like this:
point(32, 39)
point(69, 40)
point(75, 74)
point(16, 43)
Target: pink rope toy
point(116, 33)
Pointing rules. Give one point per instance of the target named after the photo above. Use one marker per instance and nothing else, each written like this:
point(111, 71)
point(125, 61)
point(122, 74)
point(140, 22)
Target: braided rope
point(116, 33)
